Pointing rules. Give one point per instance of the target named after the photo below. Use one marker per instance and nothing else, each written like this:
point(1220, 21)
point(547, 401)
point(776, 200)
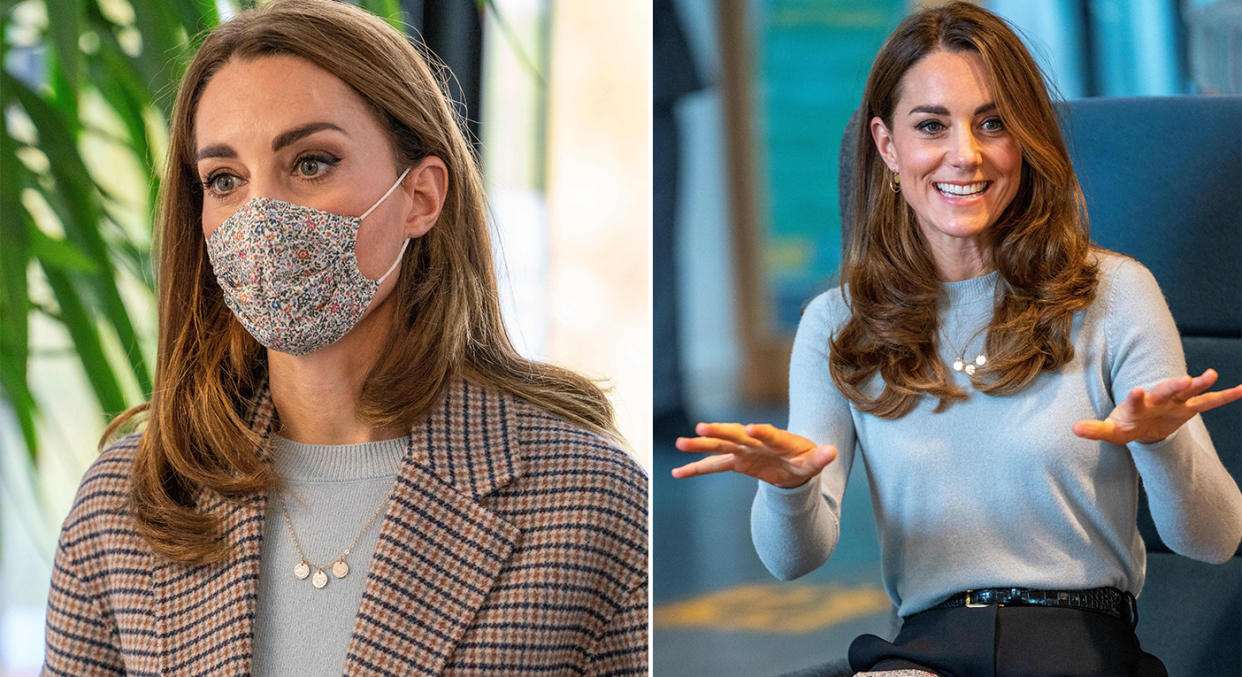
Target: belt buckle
point(973, 605)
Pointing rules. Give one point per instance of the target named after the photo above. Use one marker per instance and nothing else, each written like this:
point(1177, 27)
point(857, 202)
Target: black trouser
point(1008, 642)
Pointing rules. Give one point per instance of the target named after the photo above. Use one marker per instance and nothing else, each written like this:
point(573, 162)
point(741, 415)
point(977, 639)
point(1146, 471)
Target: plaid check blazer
point(513, 543)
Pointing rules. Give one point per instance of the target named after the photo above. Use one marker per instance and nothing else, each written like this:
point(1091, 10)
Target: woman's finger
point(821, 457)
point(1200, 383)
point(809, 466)
point(1216, 399)
point(733, 432)
point(706, 466)
point(1103, 431)
point(1162, 393)
point(1134, 403)
point(782, 441)
point(706, 445)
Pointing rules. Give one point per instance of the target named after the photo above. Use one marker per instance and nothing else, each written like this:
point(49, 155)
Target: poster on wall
point(810, 63)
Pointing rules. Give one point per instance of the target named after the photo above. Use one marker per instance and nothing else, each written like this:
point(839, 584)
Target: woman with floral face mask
point(1007, 383)
point(345, 465)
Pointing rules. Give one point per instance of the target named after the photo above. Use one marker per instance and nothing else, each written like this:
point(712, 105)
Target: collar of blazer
point(438, 554)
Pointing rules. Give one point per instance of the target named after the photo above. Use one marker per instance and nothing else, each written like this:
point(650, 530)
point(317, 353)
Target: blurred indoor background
point(556, 92)
point(750, 102)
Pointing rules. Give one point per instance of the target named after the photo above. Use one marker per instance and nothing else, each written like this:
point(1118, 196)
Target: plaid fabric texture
point(514, 543)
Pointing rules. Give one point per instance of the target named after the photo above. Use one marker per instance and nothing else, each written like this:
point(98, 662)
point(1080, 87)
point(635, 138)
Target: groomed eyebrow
point(282, 140)
point(941, 110)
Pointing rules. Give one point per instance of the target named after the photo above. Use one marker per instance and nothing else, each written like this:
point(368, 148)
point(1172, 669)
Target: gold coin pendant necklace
point(339, 568)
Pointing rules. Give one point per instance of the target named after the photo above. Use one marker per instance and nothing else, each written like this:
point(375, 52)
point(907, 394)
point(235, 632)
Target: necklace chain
point(340, 568)
point(959, 362)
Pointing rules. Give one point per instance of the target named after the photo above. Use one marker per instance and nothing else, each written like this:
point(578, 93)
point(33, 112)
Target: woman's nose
point(268, 187)
point(966, 150)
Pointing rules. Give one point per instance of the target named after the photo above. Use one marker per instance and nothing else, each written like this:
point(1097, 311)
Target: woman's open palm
point(762, 451)
point(1150, 416)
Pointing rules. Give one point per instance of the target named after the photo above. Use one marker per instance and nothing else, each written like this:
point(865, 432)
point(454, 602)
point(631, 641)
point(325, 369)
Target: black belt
point(1110, 601)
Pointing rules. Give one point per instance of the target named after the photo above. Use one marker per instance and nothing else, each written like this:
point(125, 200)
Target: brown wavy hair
point(1040, 243)
point(447, 321)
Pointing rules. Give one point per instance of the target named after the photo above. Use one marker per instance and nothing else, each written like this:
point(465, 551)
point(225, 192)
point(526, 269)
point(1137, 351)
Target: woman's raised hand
point(762, 451)
point(1150, 416)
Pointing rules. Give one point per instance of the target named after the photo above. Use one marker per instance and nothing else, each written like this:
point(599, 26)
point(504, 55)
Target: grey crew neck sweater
point(997, 491)
point(330, 492)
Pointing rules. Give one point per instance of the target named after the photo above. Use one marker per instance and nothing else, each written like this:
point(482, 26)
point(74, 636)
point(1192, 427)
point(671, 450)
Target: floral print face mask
point(290, 274)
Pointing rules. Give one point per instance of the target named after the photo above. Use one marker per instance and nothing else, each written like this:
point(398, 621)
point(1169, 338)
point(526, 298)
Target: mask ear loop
point(385, 195)
point(394, 263)
point(407, 240)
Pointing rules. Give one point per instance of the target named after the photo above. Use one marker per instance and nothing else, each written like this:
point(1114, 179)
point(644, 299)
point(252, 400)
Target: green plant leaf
point(57, 140)
point(14, 262)
point(163, 46)
point(210, 13)
point(75, 200)
point(120, 84)
point(102, 294)
point(17, 392)
point(86, 342)
point(388, 10)
point(57, 253)
point(514, 44)
point(65, 28)
point(112, 58)
point(83, 267)
point(114, 79)
point(194, 15)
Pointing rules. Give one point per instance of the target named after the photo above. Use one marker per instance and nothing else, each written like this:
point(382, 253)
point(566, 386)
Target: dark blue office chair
point(1163, 182)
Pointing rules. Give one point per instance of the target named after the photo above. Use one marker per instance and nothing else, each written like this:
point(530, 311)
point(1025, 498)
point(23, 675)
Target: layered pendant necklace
point(960, 363)
point(339, 568)
point(969, 367)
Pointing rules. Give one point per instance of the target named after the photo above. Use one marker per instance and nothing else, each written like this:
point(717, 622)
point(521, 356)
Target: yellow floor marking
point(773, 607)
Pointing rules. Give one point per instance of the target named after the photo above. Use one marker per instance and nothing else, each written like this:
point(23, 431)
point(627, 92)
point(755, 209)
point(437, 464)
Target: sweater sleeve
point(795, 530)
point(1194, 502)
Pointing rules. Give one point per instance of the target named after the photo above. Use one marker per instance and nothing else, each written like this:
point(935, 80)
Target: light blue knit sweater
point(331, 491)
point(997, 490)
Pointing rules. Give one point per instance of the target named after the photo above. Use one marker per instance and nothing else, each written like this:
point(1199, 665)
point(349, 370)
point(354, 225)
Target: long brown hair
point(447, 321)
point(1039, 244)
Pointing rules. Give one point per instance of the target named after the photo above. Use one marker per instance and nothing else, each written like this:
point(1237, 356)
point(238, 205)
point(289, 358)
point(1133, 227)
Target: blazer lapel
point(205, 614)
point(439, 549)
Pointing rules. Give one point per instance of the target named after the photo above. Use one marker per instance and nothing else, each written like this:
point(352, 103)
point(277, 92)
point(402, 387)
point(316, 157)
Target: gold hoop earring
point(894, 183)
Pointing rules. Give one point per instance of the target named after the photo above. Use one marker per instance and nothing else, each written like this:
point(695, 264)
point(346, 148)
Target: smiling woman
point(961, 166)
point(1007, 383)
point(340, 431)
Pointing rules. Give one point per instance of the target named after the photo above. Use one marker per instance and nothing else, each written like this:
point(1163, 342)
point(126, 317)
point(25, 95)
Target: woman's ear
point(426, 185)
point(883, 138)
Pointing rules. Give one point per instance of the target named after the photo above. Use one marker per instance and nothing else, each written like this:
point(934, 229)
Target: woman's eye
point(993, 125)
point(220, 183)
point(930, 126)
point(308, 166)
point(314, 167)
